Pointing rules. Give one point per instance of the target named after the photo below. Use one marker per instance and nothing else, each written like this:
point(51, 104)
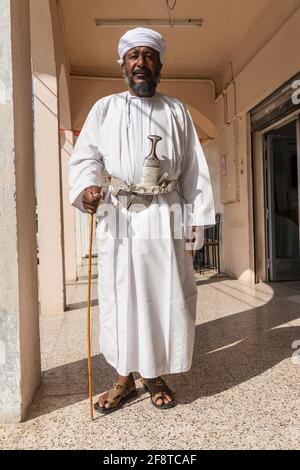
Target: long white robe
point(147, 291)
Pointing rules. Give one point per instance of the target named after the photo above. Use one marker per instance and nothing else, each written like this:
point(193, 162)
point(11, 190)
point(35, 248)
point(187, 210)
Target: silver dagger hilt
point(150, 171)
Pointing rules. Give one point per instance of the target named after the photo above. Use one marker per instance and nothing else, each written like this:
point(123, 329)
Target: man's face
point(141, 69)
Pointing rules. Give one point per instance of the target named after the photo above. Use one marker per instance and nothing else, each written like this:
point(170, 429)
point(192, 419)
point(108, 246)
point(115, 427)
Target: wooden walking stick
point(89, 317)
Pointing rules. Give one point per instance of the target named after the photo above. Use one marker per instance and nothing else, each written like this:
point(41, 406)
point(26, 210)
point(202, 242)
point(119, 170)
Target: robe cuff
point(76, 196)
point(78, 202)
point(199, 219)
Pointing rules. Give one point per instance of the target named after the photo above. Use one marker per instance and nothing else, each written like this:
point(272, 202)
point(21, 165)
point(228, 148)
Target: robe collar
point(129, 100)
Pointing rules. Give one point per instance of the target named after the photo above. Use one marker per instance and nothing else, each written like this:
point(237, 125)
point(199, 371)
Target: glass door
point(282, 166)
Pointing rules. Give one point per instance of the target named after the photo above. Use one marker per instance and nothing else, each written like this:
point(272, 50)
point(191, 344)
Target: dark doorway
point(282, 158)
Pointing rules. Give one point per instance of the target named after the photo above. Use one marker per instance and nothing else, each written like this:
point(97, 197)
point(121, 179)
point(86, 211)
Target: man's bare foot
point(124, 386)
point(161, 395)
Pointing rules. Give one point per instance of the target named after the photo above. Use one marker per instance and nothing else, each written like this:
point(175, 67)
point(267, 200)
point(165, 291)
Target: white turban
point(141, 37)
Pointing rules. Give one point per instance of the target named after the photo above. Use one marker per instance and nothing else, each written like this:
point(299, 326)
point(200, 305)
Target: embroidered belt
point(137, 197)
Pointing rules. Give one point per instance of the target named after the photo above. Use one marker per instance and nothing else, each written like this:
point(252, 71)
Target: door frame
point(260, 210)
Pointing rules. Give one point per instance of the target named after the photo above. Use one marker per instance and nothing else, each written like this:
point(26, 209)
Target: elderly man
point(147, 291)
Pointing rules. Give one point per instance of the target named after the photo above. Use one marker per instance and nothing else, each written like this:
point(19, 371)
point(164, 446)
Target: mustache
point(140, 70)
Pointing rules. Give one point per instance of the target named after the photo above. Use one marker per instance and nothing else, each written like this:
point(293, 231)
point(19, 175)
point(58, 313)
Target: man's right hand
point(91, 198)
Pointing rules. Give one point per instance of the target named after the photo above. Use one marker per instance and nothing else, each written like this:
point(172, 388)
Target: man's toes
point(159, 401)
point(103, 403)
point(168, 399)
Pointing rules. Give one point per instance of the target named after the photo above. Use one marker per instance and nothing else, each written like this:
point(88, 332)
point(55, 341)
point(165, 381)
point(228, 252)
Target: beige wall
point(274, 63)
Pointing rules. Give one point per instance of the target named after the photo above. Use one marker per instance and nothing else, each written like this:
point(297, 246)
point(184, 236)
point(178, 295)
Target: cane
point(89, 318)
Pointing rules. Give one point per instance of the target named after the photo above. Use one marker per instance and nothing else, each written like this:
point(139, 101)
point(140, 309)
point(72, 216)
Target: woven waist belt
point(137, 197)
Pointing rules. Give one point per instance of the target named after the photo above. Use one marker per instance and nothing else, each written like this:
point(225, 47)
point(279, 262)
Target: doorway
point(282, 167)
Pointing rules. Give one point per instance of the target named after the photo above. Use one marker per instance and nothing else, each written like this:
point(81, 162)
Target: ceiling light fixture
point(142, 22)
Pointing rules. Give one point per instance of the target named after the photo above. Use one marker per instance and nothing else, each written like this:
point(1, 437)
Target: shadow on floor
point(228, 351)
point(211, 278)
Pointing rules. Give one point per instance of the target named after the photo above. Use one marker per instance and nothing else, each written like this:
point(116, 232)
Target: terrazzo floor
point(243, 391)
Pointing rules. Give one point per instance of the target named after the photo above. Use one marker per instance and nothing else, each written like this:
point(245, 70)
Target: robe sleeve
point(86, 162)
point(194, 180)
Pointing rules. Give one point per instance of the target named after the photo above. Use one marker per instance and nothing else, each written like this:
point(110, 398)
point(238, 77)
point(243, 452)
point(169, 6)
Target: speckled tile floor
point(241, 393)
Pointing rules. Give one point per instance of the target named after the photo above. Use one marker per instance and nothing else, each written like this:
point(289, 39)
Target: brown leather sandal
point(116, 397)
point(159, 389)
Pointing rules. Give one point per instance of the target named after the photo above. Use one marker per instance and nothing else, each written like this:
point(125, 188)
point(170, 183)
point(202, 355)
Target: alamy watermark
point(296, 93)
point(296, 354)
point(296, 343)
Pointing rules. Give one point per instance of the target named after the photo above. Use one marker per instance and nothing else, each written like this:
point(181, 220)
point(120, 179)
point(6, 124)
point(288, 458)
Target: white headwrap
point(141, 37)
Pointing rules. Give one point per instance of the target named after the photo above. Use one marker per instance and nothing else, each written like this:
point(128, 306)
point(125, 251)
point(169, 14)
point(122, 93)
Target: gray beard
point(143, 88)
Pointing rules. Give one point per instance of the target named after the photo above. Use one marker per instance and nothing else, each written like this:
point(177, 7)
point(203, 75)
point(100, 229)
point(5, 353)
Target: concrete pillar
point(66, 147)
point(48, 164)
point(68, 211)
point(19, 323)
